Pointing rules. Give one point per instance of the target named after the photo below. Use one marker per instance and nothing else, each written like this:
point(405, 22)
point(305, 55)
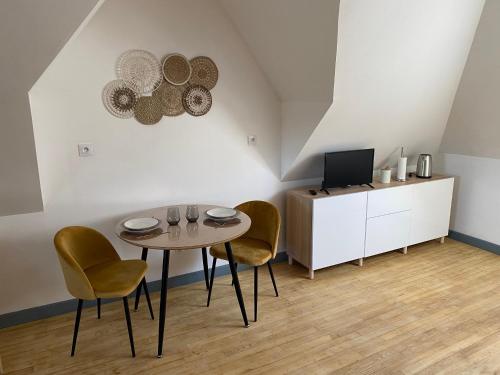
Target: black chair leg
point(255, 291)
point(205, 265)
point(212, 274)
point(98, 308)
point(144, 257)
point(236, 268)
point(146, 292)
point(77, 325)
point(129, 325)
point(272, 278)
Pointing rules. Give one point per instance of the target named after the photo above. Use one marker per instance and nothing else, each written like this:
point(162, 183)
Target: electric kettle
point(424, 166)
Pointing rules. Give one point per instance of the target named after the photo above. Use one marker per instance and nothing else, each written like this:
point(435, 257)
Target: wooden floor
point(435, 310)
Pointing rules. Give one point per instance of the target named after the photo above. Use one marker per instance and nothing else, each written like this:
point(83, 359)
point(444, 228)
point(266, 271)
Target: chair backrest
point(78, 249)
point(266, 221)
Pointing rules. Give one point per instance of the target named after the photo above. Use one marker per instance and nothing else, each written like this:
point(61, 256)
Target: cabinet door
point(387, 233)
point(338, 229)
point(431, 210)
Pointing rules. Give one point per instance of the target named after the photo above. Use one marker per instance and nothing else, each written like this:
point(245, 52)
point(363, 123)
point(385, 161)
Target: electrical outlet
point(252, 140)
point(85, 149)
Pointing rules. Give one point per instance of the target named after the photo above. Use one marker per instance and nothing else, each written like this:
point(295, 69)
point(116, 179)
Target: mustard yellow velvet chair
point(256, 247)
point(93, 270)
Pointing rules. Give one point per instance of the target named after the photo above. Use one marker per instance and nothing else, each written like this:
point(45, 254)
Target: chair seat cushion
point(116, 278)
point(245, 250)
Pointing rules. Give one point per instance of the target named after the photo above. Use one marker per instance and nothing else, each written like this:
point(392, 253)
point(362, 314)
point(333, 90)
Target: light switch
point(252, 140)
point(85, 149)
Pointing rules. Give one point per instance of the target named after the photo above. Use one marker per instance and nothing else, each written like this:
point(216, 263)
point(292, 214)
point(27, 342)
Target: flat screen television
point(346, 168)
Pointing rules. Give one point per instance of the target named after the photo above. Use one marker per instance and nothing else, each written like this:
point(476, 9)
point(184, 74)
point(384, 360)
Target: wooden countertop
point(303, 192)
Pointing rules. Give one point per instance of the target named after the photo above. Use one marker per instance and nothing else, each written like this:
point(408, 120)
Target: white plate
point(221, 213)
point(141, 223)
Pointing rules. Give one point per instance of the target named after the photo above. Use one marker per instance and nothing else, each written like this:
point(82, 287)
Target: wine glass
point(173, 215)
point(192, 213)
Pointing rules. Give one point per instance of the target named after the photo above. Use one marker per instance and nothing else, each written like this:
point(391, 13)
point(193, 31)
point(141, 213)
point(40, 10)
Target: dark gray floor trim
point(482, 244)
point(63, 307)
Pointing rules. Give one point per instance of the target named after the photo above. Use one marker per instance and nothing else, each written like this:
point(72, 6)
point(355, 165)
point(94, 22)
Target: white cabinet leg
point(311, 273)
point(360, 262)
point(290, 260)
point(404, 250)
point(442, 239)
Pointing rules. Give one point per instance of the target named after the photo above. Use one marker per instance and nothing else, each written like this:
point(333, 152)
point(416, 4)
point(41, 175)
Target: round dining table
point(186, 236)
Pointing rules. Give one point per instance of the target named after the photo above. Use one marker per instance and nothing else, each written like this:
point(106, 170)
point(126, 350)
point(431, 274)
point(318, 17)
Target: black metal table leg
point(163, 301)
point(144, 256)
point(237, 288)
point(236, 268)
point(98, 308)
point(212, 274)
point(205, 265)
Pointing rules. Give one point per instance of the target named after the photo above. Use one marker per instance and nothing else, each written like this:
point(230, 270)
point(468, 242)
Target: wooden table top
point(185, 235)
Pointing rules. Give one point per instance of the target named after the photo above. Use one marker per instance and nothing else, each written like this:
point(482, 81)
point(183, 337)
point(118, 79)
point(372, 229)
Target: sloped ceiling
point(473, 127)
point(31, 35)
point(398, 67)
point(294, 42)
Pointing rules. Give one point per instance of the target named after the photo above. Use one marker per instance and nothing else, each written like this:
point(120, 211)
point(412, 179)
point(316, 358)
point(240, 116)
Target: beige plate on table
point(141, 224)
point(221, 213)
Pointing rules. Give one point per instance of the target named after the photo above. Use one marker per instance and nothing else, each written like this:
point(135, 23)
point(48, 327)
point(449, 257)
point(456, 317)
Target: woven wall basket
point(176, 69)
point(120, 97)
point(171, 98)
point(140, 67)
point(197, 100)
point(205, 72)
point(148, 110)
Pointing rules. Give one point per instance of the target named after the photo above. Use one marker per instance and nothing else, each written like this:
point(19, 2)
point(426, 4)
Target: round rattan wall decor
point(148, 110)
point(148, 90)
point(197, 100)
point(140, 67)
point(171, 99)
point(204, 73)
point(120, 97)
point(176, 69)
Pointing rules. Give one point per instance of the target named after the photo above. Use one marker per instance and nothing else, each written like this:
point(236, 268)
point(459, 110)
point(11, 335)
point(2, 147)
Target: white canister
point(385, 176)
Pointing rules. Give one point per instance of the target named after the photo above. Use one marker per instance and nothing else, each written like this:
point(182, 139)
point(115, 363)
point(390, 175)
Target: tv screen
point(346, 168)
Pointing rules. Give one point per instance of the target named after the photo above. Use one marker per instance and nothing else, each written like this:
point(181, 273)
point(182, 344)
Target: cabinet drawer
point(390, 200)
point(388, 232)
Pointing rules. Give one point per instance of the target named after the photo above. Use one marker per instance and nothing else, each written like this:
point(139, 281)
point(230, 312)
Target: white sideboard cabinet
point(357, 222)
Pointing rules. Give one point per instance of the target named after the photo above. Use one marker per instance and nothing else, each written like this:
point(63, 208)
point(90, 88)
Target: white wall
point(473, 127)
point(294, 42)
point(31, 35)
point(471, 143)
point(298, 121)
point(182, 159)
point(399, 63)
point(476, 202)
